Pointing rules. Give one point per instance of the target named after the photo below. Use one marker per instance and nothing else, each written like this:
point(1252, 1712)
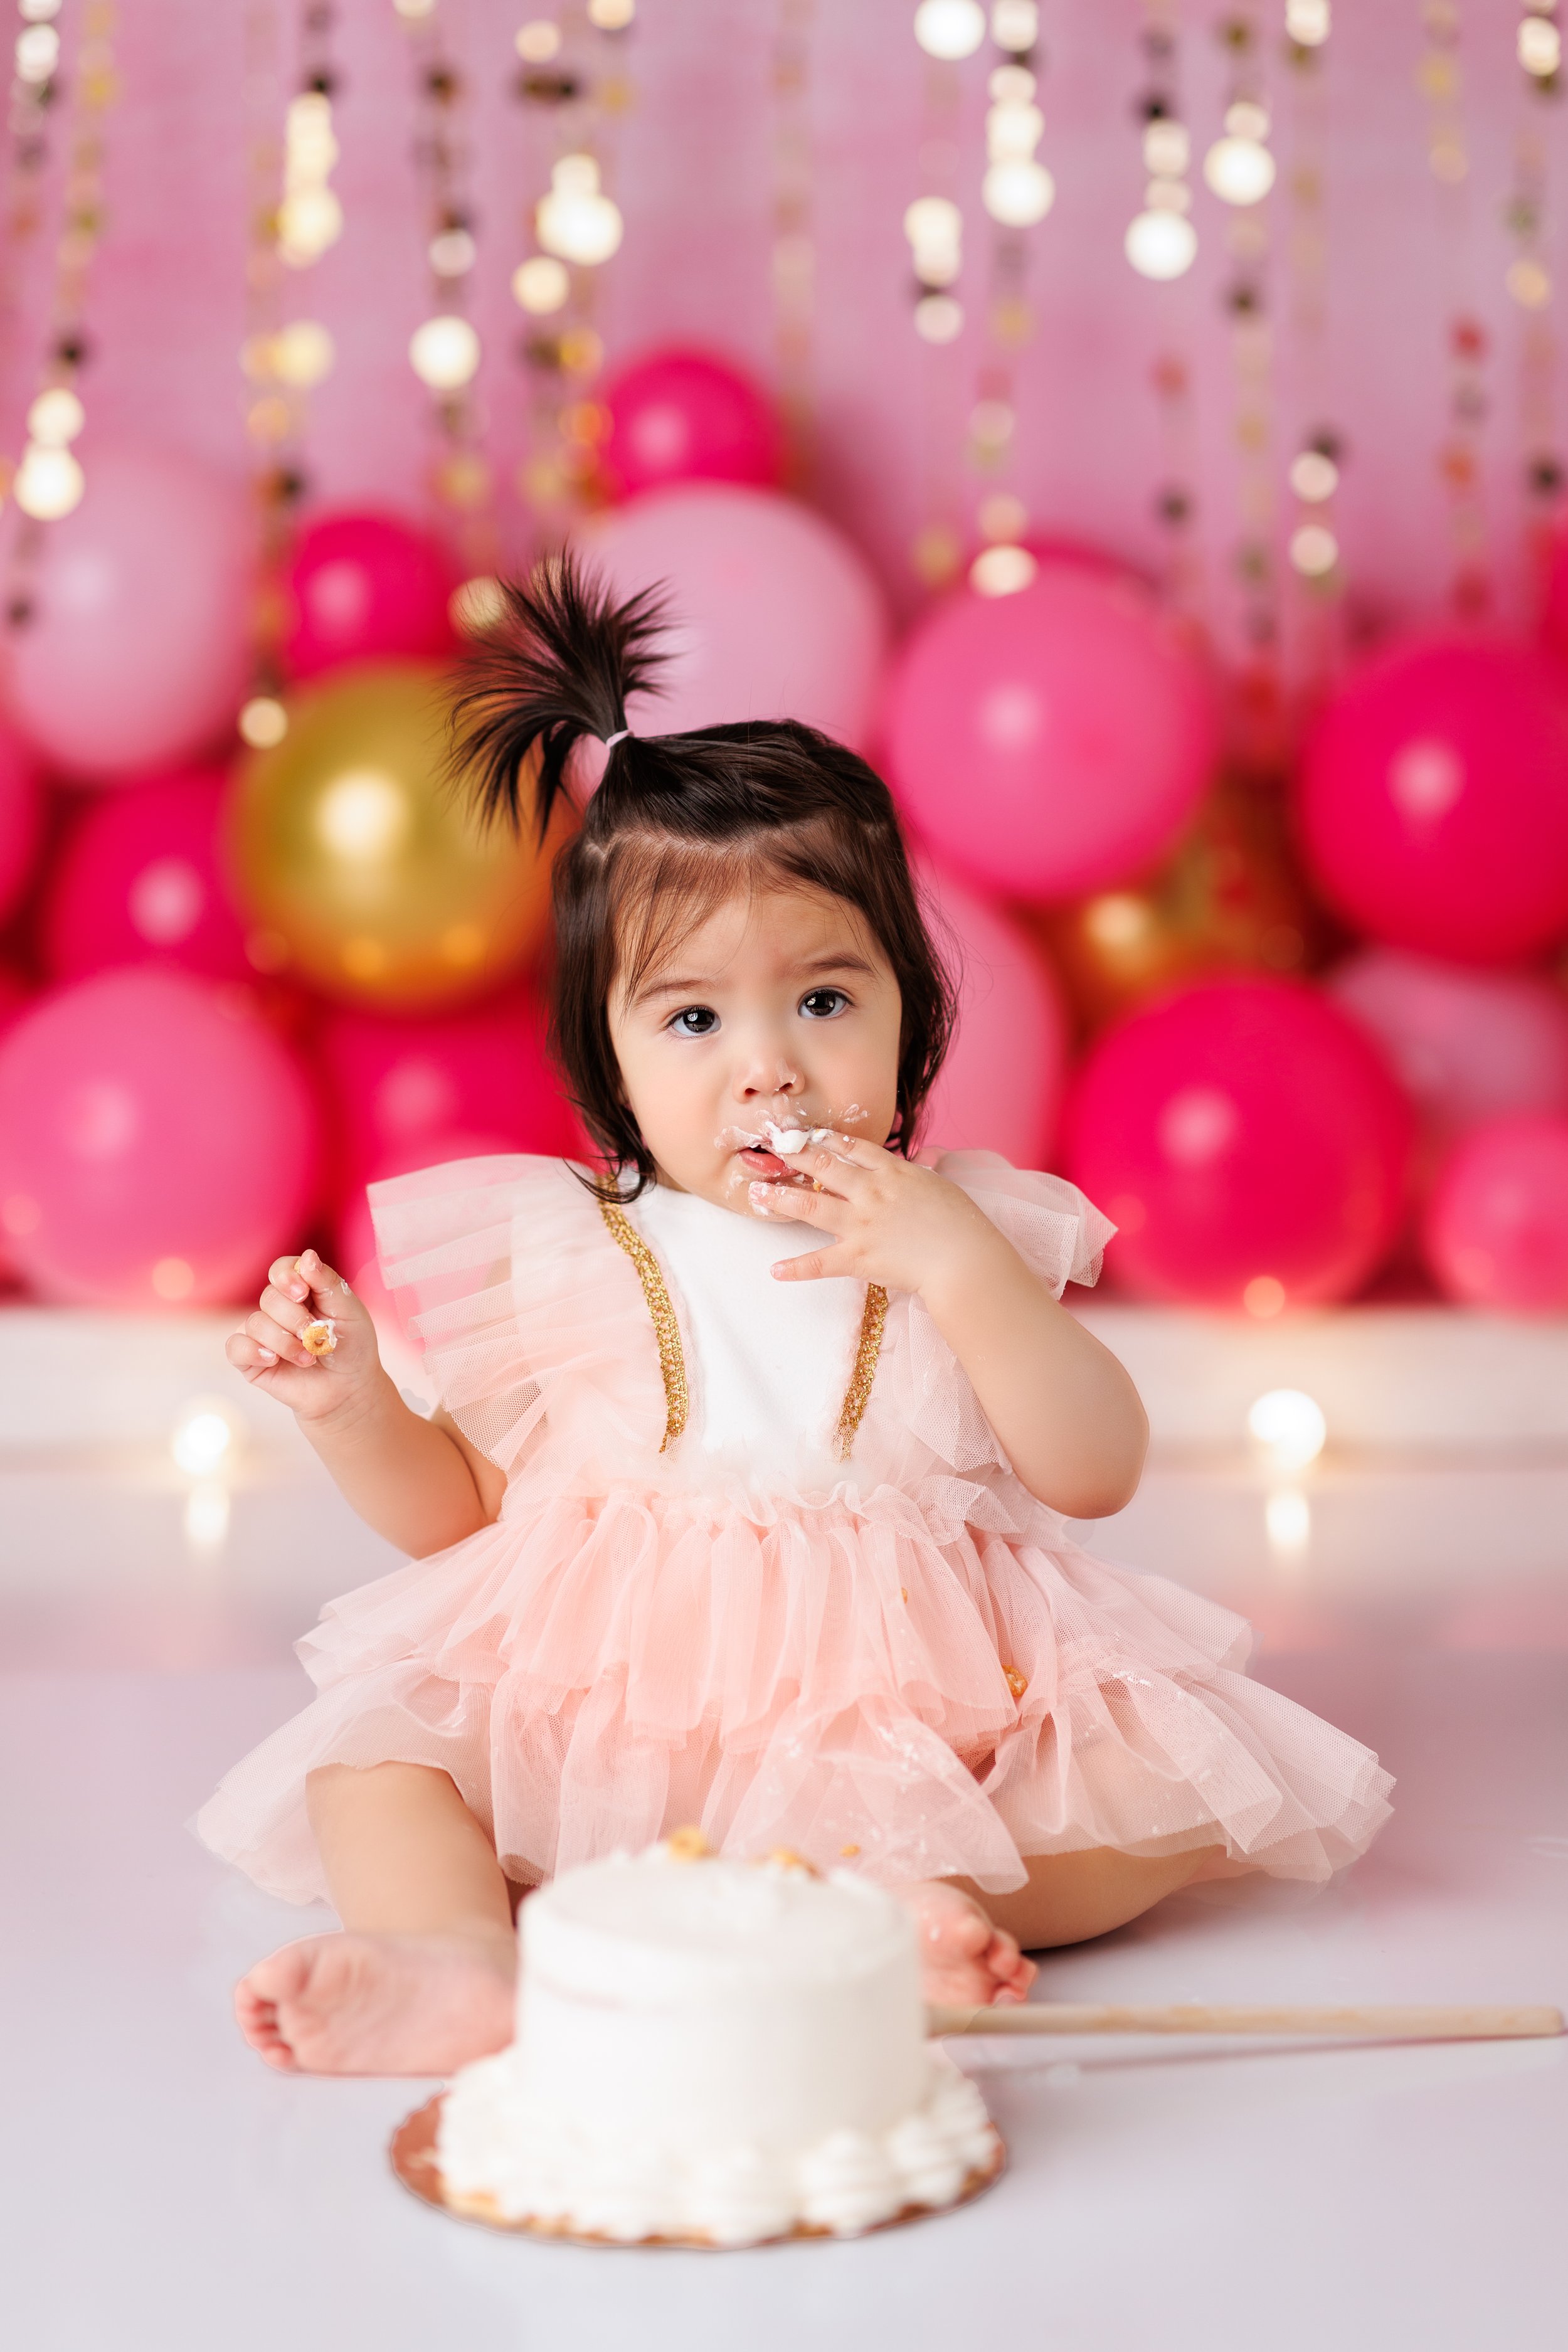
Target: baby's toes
point(1011, 1972)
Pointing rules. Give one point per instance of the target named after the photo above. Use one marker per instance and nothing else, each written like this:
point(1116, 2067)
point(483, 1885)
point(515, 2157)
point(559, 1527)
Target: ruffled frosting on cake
point(496, 2145)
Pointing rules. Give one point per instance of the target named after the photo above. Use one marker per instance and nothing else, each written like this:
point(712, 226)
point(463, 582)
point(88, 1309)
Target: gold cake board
point(414, 2160)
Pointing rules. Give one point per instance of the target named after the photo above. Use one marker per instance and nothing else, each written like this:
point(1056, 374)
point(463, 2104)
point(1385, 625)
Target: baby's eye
point(823, 1003)
point(694, 1021)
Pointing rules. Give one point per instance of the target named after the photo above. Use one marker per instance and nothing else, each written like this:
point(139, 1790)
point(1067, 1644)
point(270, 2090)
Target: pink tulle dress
point(761, 1565)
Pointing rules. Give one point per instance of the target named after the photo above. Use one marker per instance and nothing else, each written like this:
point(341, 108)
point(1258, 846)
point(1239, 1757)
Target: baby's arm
point(418, 1483)
point(1068, 1415)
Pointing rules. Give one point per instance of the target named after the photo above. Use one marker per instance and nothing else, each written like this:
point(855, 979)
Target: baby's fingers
point(813, 1266)
point(278, 1338)
point(248, 1355)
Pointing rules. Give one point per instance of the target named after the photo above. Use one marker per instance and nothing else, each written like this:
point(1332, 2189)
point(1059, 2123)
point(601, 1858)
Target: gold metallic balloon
point(1228, 899)
point(361, 870)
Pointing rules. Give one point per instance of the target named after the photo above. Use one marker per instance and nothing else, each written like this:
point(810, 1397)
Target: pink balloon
point(1433, 800)
point(398, 1087)
point(13, 994)
point(771, 613)
point(1000, 1088)
point(363, 587)
point(1054, 741)
point(1251, 1144)
point(139, 878)
point(687, 416)
point(1496, 1228)
point(157, 1141)
point(138, 650)
point(21, 819)
point(1468, 1046)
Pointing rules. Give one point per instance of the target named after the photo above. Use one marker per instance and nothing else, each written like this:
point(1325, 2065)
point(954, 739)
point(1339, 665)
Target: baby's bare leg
point(972, 1944)
point(421, 1980)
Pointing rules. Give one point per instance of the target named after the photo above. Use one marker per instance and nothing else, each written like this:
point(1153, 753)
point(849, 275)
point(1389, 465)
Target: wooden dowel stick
point(1392, 2024)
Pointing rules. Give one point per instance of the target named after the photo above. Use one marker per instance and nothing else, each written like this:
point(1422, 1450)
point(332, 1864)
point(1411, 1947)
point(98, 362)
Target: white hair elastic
point(611, 741)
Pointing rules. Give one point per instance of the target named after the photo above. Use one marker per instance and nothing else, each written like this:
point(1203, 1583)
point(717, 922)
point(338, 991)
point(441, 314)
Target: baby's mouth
point(775, 1151)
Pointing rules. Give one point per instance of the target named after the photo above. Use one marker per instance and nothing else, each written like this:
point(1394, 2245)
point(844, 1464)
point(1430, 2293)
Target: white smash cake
point(717, 2052)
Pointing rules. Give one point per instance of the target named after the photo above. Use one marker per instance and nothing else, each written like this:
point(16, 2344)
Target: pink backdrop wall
point(691, 165)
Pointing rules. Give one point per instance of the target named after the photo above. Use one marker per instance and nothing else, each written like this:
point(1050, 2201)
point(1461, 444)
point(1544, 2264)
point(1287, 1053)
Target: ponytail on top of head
point(559, 665)
point(677, 824)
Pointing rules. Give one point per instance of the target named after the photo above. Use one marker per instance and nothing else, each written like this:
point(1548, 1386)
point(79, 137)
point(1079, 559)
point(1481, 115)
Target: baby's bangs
point(663, 888)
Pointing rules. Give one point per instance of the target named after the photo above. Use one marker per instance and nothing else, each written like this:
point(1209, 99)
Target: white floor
point(161, 2189)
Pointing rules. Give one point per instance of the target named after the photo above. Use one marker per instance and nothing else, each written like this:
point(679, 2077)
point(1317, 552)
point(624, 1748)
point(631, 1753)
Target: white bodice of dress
point(767, 1362)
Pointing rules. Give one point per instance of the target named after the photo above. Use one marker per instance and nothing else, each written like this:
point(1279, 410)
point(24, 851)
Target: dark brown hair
point(678, 823)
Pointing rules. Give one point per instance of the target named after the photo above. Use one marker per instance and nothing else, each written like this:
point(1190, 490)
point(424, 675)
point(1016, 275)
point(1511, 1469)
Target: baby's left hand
point(885, 1219)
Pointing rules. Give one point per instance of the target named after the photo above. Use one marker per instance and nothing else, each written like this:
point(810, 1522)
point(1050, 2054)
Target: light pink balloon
point(13, 994)
point(1496, 1229)
point(158, 1141)
point(353, 1230)
point(1000, 1088)
point(137, 653)
point(1433, 799)
point(21, 819)
point(138, 879)
point(1250, 1142)
point(1054, 741)
point(1469, 1045)
point(771, 613)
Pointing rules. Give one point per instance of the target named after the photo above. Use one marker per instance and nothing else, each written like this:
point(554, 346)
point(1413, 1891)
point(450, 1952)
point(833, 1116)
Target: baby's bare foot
point(379, 2004)
point(965, 1959)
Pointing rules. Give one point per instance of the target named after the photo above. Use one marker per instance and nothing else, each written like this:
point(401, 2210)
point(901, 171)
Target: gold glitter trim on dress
point(672, 1359)
point(859, 1395)
point(666, 1330)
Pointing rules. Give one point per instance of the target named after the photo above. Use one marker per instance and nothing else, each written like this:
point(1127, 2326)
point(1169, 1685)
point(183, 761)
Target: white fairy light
point(1313, 476)
point(1289, 1429)
point(38, 53)
point(200, 1439)
point(1167, 149)
point(537, 42)
point(1015, 25)
point(540, 285)
point(452, 253)
point(1011, 85)
point(37, 12)
point(50, 482)
point(1239, 171)
point(1314, 550)
point(1245, 118)
point(1012, 129)
point(1017, 194)
point(1002, 570)
point(1307, 22)
point(1160, 243)
point(263, 722)
point(1287, 1522)
point(949, 29)
point(934, 228)
point(1540, 46)
point(611, 15)
point(938, 318)
point(576, 222)
point(302, 354)
point(476, 605)
point(206, 1516)
point(444, 353)
point(56, 417)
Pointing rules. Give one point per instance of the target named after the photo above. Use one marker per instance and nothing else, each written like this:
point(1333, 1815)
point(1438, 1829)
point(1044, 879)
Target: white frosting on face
point(713, 2049)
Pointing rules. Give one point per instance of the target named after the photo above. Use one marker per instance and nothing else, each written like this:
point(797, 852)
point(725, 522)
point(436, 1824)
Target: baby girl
point(743, 1505)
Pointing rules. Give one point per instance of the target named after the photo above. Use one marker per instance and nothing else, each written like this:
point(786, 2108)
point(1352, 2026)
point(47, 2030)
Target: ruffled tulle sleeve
point(1058, 1235)
point(524, 1309)
point(922, 1392)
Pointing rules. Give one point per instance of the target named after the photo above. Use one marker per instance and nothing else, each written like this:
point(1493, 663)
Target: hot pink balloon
point(1433, 800)
point(139, 879)
point(157, 1141)
point(1496, 1229)
point(1000, 1088)
point(771, 613)
point(399, 1087)
point(21, 819)
point(363, 587)
point(1249, 1142)
point(1054, 741)
point(138, 650)
point(687, 416)
point(13, 994)
point(1469, 1045)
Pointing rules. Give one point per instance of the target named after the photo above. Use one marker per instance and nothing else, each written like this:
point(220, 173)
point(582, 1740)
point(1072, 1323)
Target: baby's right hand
point(300, 1291)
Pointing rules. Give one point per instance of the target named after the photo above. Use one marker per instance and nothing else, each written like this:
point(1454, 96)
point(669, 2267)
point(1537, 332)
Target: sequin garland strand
point(672, 1359)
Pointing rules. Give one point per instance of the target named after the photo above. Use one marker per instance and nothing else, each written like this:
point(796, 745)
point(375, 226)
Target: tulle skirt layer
point(832, 1677)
